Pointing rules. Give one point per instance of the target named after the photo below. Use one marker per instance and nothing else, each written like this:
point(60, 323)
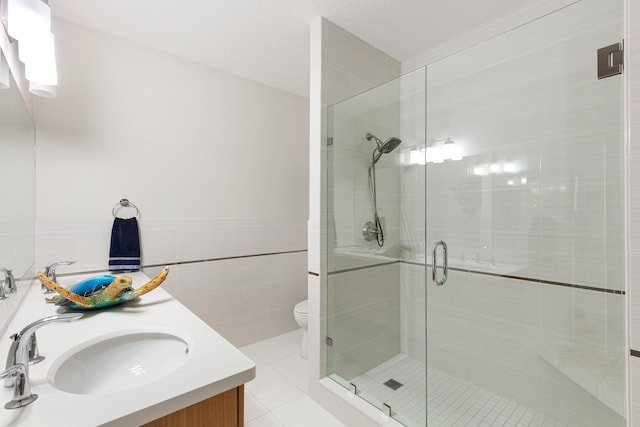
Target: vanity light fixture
point(443, 149)
point(498, 168)
point(29, 22)
point(435, 154)
point(450, 150)
point(439, 151)
point(417, 156)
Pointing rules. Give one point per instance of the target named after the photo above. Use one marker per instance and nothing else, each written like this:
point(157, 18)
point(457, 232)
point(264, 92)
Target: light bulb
point(435, 154)
point(416, 157)
point(451, 151)
point(44, 91)
point(25, 17)
point(40, 66)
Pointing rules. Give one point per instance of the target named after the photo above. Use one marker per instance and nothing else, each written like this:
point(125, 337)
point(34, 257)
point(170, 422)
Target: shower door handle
point(445, 266)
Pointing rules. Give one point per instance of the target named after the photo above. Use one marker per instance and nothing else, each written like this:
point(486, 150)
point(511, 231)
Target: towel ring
point(125, 203)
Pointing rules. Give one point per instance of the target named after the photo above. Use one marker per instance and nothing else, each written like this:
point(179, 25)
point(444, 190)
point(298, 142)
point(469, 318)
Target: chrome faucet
point(50, 272)
point(23, 349)
point(9, 285)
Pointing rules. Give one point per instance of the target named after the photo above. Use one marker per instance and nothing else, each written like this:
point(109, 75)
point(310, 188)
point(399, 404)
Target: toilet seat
point(301, 308)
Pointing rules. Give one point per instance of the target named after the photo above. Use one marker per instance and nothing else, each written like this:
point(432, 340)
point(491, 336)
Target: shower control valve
point(370, 231)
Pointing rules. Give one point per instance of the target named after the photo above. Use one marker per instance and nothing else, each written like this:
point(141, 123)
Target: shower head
point(389, 145)
point(382, 147)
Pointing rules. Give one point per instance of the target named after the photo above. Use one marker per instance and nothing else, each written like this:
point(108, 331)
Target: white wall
point(499, 25)
point(217, 165)
point(10, 51)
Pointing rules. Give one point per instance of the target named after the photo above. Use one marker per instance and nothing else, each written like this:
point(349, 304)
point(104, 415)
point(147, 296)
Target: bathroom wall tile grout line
point(505, 276)
point(197, 261)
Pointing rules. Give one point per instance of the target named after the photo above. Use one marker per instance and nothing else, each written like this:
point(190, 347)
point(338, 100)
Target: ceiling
point(268, 40)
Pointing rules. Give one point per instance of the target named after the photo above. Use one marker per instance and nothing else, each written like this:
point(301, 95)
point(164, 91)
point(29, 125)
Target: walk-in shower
point(373, 230)
point(529, 328)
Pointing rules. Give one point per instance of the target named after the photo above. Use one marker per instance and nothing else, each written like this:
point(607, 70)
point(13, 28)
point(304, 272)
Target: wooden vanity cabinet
point(224, 410)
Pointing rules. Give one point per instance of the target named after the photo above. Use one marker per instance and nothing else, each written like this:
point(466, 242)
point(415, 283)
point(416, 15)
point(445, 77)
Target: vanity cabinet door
point(223, 410)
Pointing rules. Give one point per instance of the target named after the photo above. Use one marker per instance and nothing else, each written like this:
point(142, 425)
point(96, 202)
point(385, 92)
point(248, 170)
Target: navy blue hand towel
point(124, 254)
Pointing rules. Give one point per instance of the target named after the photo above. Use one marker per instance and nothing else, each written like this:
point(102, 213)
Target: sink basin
point(119, 361)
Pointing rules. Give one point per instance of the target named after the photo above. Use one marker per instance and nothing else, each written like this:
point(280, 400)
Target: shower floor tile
point(452, 402)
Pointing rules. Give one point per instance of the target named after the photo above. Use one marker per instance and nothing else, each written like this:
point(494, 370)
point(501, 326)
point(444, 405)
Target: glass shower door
point(524, 184)
point(375, 247)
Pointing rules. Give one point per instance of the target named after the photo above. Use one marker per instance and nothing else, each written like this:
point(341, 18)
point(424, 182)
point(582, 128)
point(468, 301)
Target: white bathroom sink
point(119, 361)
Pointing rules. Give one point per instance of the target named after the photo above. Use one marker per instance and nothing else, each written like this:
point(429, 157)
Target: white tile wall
point(632, 69)
point(562, 210)
point(413, 317)
point(10, 306)
point(633, 80)
point(499, 334)
point(634, 398)
point(244, 299)
point(167, 241)
point(350, 203)
point(17, 241)
point(244, 293)
point(363, 310)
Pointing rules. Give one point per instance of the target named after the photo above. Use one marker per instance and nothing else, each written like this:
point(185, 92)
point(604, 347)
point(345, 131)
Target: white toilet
point(301, 315)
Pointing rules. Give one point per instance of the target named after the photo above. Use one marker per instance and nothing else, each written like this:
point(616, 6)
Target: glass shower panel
point(511, 155)
point(525, 172)
point(375, 241)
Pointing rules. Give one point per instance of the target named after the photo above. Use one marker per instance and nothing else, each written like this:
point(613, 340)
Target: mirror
point(17, 195)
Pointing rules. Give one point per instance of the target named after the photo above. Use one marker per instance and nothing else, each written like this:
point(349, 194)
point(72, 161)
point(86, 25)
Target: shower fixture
point(382, 148)
point(373, 229)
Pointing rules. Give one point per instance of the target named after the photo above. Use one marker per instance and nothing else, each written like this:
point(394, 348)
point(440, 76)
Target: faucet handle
point(32, 351)
point(34, 354)
point(9, 378)
point(22, 395)
point(50, 272)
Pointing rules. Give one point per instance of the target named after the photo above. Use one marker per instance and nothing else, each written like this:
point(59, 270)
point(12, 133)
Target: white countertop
point(213, 365)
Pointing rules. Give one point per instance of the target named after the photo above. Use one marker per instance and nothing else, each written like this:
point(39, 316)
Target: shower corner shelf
point(601, 376)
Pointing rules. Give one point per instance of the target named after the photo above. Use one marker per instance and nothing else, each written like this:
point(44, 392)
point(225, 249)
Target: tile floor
point(277, 397)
